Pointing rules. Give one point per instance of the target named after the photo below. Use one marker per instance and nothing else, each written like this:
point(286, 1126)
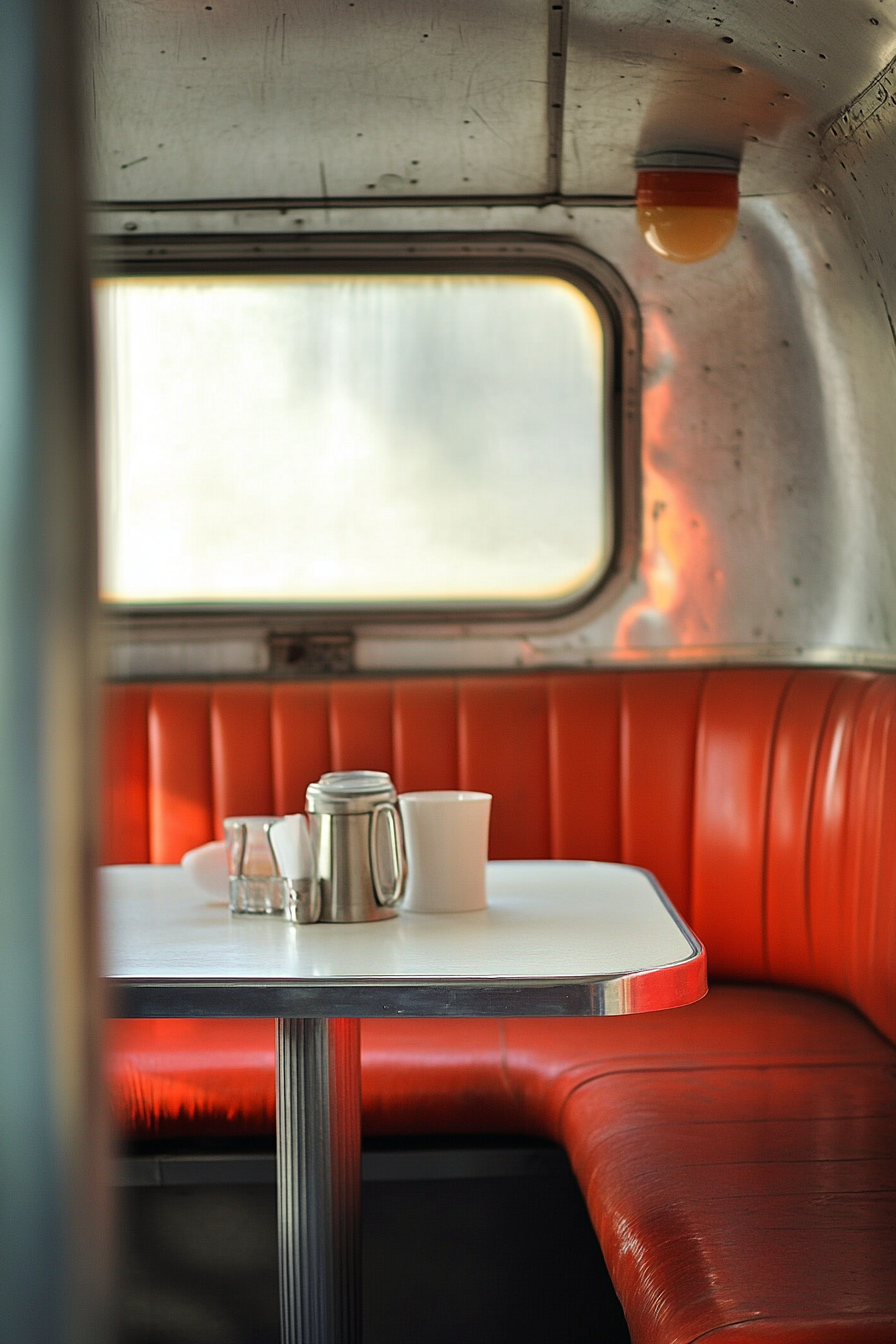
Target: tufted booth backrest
point(764, 800)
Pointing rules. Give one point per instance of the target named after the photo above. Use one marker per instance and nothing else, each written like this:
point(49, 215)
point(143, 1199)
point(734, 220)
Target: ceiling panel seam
point(558, 33)
point(285, 204)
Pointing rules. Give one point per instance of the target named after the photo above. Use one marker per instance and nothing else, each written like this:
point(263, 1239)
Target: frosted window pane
point(349, 439)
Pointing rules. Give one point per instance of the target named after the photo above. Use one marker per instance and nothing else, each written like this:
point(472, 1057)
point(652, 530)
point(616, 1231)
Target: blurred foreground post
point(52, 1244)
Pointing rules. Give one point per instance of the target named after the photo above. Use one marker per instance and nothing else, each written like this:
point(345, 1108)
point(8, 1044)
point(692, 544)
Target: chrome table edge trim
point(606, 996)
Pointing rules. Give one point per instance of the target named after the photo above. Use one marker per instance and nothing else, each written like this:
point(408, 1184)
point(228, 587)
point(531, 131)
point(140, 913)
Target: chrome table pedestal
point(319, 1179)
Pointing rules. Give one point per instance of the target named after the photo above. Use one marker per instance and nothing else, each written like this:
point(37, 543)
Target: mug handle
point(399, 862)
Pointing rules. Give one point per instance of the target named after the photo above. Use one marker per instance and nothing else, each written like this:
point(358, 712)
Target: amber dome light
point(687, 215)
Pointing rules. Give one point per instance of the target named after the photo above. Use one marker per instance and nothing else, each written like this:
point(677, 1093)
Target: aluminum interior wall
point(767, 455)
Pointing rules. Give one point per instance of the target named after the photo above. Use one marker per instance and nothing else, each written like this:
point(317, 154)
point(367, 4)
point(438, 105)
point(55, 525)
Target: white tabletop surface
point(546, 921)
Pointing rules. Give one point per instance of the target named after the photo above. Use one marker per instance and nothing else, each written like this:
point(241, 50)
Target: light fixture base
point(692, 160)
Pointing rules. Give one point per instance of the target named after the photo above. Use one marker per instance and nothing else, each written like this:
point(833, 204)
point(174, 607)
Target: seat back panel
point(584, 770)
point(503, 750)
point(242, 774)
point(659, 723)
point(738, 724)
point(300, 742)
point(180, 800)
point(424, 736)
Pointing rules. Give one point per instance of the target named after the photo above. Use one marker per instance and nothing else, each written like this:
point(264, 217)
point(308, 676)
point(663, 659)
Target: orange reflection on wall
point(678, 567)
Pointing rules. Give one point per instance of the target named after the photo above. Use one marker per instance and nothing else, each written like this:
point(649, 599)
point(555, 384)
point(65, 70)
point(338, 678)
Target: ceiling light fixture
point(687, 203)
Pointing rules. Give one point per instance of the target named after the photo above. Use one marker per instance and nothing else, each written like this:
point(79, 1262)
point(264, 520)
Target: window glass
point(305, 439)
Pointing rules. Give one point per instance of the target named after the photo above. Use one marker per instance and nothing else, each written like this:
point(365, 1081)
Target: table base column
point(319, 1179)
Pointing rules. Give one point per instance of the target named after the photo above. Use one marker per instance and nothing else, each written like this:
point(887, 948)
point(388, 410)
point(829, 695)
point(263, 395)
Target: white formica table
point(559, 939)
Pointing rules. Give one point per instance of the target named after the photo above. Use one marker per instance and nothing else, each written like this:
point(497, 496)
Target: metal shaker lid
point(350, 791)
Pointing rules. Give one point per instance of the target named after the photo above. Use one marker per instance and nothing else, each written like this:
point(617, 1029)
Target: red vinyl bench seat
point(738, 1156)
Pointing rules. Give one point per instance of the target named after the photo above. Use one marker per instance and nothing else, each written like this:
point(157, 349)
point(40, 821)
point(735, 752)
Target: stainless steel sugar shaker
point(359, 866)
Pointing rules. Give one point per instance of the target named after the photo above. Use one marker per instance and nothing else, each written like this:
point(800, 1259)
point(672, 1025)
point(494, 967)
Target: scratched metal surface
point(769, 476)
point(243, 99)
point(758, 77)
point(315, 98)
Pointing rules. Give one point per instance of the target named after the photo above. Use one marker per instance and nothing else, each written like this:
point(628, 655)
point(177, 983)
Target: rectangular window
point(307, 440)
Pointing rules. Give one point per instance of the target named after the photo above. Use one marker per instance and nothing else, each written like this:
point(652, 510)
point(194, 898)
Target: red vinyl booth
point(738, 1157)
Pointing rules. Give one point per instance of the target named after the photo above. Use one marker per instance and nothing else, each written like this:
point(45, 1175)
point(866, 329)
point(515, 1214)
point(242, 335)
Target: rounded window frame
point(438, 253)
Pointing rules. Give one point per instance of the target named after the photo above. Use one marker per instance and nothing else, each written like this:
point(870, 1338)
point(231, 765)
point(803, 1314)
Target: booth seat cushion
point(734, 1024)
point(172, 1077)
point(215, 1077)
point(754, 1199)
point(487, 1075)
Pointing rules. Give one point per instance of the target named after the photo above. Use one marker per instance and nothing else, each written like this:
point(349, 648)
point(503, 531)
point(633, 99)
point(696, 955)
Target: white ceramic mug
point(446, 836)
